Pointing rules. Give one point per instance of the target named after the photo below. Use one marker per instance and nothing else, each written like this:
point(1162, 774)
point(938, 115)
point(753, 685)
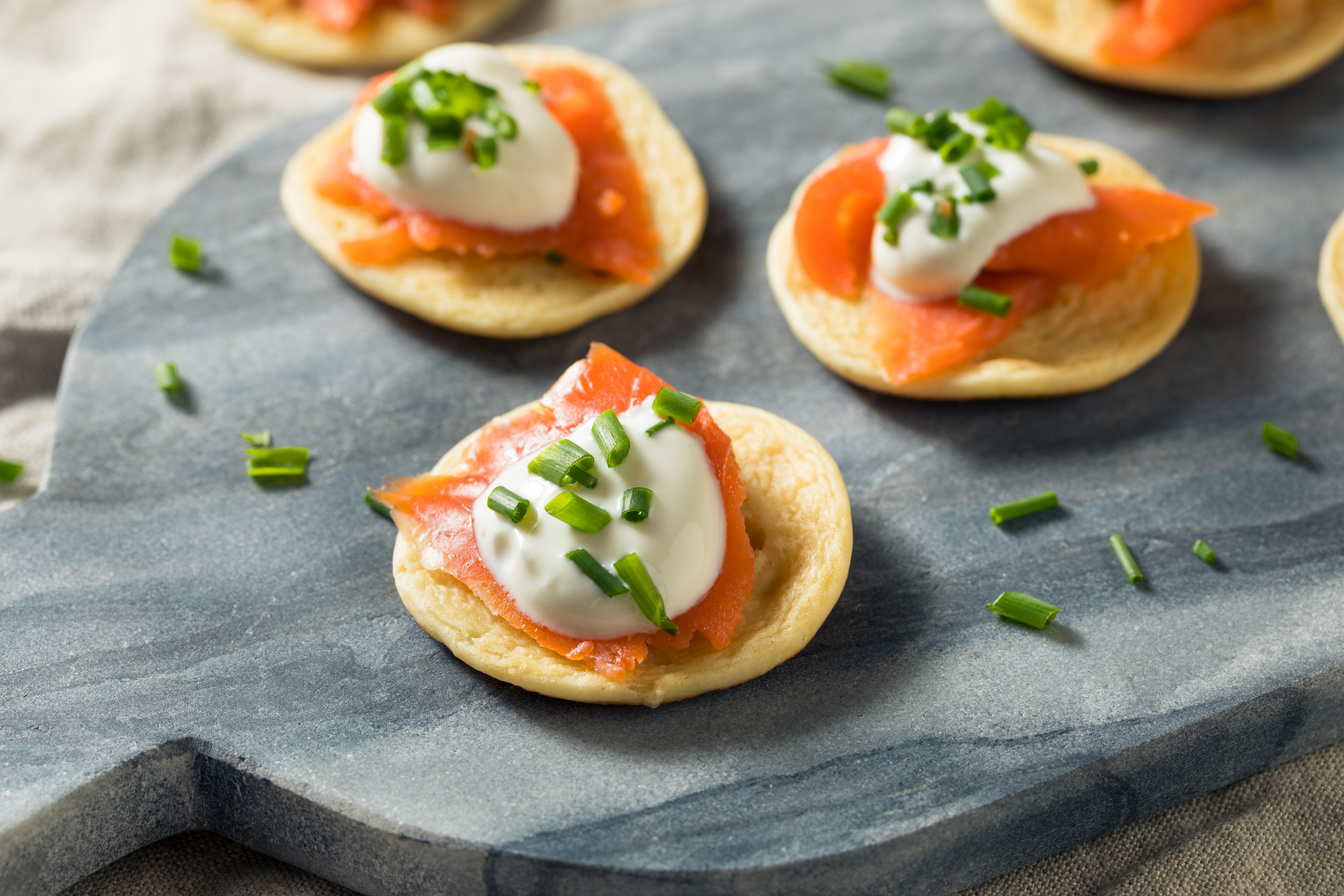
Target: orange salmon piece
point(1145, 30)
point(345, 15)
point(440, 508)
point(833, 229)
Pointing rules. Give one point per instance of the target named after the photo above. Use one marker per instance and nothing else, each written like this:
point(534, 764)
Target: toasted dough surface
point(281, 30)
point(1258, 48)
point(797, 514)
point(513, 298)
point(1083, 340)
point(1331, 277)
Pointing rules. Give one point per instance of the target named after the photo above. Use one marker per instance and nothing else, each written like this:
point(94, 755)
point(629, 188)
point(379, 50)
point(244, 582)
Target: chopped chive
point(920, 186)
point(555, 258)
point(956, 147)
point(1204, 552)
point(1009, 132)
point(165, 375)
point(678, 405)
point(1024, 608)
point(502, 122)
point(610, 584)
point(986, 300)
point(564, 463)
point(10, 470)
point(277, 463)
point(569, 508)
point(377, 506)
point(1089, 166)
point(860, 76)
point(945, 222)
point(644, 592)
point(635, 504)
point(184, 253)
point(1014, 509)
point(941, 129)
point(905, 121)
point(661, 424)
point(977, 184)
point(445, 135)
point(611, 438)
point(485, 152)
point(532, 86)
point(988, 112)
point(394, 139)
point(1280, 441)
point(988, 170)
point(1126, 559)
point(510, 505)
point(391, 100)
point(257, 439)
point(897, 206)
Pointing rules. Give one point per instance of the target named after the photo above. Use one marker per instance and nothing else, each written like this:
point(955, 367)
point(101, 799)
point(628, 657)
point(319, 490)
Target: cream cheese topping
point(533, 183)
point(1032, 185)
point(681, 544)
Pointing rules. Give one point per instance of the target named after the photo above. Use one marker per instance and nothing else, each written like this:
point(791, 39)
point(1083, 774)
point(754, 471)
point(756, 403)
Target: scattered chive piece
point(977, 183)
point(645, 593)
point(568, 507)
point(394, 139)
point(485, 152)
point(986, 300)
point(1009, 132)
point(10, 470)
point(1204, 552)
point(563, 463)
point(257, 439)
point(391, 100)
point(1024, 608)
point(611, 585)
point(905, 121)
point(956, 147)
point(1089, 166)
point(555, 258)
point(165, 375)
point(941, 129)
point(611, 438)
point(184, 253)
point(678, 405)
point(510, 505)
point(532, 86)
point(1014, 509)
point(377, 505)
point(1126, 559)
point(988, 112)
point(920, 186)
point(1280, 441)
point(502, 122)
point(277, 463)
point(445, 135)
point(635, 504)
point(945, 222)
point(988, 170)
point(858, 75)
point(661, 424)
point(897, 206)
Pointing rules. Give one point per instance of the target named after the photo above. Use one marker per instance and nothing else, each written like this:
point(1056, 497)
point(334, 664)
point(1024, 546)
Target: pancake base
point(1259, 48)
point(1331, 277)
point(1082, 340)
point(513, 298)
point(797, 514)
point(392, 36)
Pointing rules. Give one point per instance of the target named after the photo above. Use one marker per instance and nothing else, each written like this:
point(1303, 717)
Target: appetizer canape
point(965, 256)
point(1331, 277)
point(1208, 48)
point(364, 34)
point(578, 545)
point(508, 192)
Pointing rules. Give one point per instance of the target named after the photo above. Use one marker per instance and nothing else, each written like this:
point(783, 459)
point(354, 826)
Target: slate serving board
point(183, 649)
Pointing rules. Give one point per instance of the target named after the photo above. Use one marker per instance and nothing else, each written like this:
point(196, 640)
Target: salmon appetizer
point(510, 192)
point(1203, 48)
point(619, 541)
point(965, 256)
point(1331, 279)
point(351, 34)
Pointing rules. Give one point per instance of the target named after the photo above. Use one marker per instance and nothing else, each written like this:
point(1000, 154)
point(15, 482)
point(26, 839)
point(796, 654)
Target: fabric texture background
point(113, 107)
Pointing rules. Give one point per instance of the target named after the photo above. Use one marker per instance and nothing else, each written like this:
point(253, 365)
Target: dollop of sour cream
point(1033, 184)
point(681, 544)
point(533, 183)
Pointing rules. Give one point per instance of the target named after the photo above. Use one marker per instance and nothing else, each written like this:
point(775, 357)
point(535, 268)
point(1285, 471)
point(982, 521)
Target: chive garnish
point(941, 129)
point(678, 405)
point(645, 593)
point(377, 506)
point(920, 186)
point(1089, 166)
point(1204, 552)
point(1024, 608)
point(1009, 132)
point(635, 504)
point(977, 184)
point(445, 135)
point(555, 258)
point(394, 139)
point(988, 112)
point(610, 584)
point(1126, 559)
point(569, 508)
point(484, 152)
point(165, 375)
point(906, 121)
point(257, 439)
point(10, 470)
point(391, 100)
point(897, 206)
point(611, 438)
point(861, 76)
point(564, 463)
point(1280, 440)
point(988, 170)
point(661, 424)
point(945, 222)
point(184, 253)
point(502, 122)
point(986, 300)
point(532, 86)
point(956, 147)
point(277, 463)
point(1014, 509)
point(444, 101)
point(510, 505)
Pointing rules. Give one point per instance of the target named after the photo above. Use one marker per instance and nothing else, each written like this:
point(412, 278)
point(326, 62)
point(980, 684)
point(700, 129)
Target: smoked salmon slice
point(1145, 30)
point(344, 15)
point(438, 508)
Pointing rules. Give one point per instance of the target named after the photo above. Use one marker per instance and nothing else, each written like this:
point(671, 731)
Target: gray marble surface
point(185, 649)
